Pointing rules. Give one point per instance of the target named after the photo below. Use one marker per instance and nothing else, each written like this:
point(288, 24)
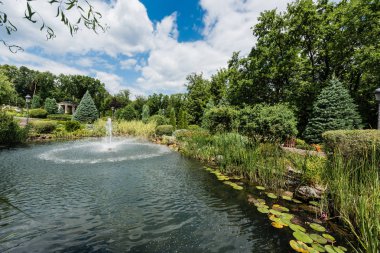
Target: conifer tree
point(51, 105)
point(173, 118)
point(86, 111)
point(145, 113)
point(333, 109)
point(182, 122)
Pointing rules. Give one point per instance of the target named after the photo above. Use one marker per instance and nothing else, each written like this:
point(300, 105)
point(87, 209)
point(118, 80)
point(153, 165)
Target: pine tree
point(145, 113)
point(333, 109)
point(173, 118)
point(86, 111)
point(182, 122)
point(51, 105)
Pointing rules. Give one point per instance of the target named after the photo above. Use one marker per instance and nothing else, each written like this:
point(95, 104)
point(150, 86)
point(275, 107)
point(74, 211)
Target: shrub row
point(63, 117)
point(38, 113)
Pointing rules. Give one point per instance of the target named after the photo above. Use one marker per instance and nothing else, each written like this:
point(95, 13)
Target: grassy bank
point(53, 129)
point(352, 182)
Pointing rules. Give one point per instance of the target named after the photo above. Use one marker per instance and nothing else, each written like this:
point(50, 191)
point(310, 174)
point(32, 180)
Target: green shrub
point(159, 119)
point(301, 144)
point(164, 130)
point(127, 113)
point(193, 127)
point(10, 132)
point(172, 117)
point(352, 142)
point(268, 123)
point(36, 102)
point(220, 119)
point(63, 117)
point(71, 126)
point(51, 106)
point(86, 111)
point(38, 113)
point(334, 109)
point(44, 127)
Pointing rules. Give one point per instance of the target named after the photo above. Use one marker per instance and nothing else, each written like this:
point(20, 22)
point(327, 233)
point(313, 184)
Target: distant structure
point(69, 107)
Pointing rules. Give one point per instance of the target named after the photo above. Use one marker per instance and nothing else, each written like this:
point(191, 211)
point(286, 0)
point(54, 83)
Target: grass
point(354, 189)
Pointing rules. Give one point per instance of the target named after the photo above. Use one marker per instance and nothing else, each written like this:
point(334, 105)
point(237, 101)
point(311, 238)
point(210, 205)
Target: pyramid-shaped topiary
point(86, 111)
point(334, 109)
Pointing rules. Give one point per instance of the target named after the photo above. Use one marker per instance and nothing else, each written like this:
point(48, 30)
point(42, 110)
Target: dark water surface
point(135, 197)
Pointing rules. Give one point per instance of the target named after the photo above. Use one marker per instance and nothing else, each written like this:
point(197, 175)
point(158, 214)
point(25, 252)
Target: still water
point(131, 196)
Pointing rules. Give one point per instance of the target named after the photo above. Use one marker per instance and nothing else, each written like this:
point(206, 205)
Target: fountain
point(109, 131)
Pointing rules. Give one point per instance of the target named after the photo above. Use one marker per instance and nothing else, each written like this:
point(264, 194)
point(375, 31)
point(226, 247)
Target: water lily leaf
point(317, 227)
point(286, 198)
point(318, 247)
point(342, 248)
point(314, 203)
point(299, 246)
point(280, 208)
point(297, 201)
point(222, 177)
point(287, 216)
point(261, 205)
point(277, 224)
point(303, 237)
point(311, 250)
point(318, 238)
point(261, 188)
point(285, 221)
point(329, 238)
point(263, 210)
point(271, 195)
point(275, 212)
point(330, 249)
point(296, 227)
point(338, 250)
point(261, 200)
point(274, 218)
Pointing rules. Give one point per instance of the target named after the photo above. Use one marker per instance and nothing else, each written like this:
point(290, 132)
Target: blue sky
point(151, 45)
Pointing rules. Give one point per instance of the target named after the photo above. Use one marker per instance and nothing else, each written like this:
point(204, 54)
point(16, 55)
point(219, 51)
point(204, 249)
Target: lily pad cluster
point(226, 180)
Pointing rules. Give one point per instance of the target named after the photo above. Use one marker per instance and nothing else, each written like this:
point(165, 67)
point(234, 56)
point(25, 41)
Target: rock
point(288, 193)
point(219, 158)
point(308, 192)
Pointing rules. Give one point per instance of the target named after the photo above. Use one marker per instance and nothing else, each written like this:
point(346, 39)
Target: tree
point(172, 118)
point(182, 119)
point(72, 14)
point(86, 111)
point(220, 119)
point(334, 109)
point(36, 102)
point(145, 113)
point(127, 113)
point(198, 95)
point(7, 90)
point(51, 106)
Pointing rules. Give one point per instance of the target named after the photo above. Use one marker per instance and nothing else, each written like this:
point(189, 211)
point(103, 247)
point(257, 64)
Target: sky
point(150, 46)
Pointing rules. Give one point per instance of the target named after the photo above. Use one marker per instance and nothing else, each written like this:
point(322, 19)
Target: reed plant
point(264, 163)
point(354, 189)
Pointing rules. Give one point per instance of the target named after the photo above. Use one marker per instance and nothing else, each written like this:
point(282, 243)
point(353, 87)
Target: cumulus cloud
point(112, 82)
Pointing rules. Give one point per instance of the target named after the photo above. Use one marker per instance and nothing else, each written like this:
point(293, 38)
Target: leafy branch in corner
point(86, 15)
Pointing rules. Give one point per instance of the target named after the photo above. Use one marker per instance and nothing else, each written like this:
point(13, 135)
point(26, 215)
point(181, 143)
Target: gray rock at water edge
point(308, 192)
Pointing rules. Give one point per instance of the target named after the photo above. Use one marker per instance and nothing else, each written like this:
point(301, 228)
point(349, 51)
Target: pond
point(133, 196)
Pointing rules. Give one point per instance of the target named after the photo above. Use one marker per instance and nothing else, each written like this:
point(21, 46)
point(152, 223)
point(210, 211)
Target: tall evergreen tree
point(182, 121)
point(86, 111)
point(145, 113)
point(51, 106)
point(334, 109)
point(173, 118)
point(36, 102)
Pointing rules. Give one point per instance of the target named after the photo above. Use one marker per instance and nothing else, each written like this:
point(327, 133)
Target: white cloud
point(113, 83)
point(128, 64)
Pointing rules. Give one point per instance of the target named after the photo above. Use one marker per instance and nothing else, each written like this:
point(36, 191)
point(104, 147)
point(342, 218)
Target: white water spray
point(109, 131)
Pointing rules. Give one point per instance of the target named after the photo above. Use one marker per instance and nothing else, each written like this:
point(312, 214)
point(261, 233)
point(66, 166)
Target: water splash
point(109, 131)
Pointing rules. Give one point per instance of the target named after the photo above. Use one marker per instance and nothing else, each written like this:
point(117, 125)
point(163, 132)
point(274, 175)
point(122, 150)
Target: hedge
point(63, 117)
point(352, 142)
point(71, 126)
point(44, 127)
point(38, 113)
point(164, 130)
